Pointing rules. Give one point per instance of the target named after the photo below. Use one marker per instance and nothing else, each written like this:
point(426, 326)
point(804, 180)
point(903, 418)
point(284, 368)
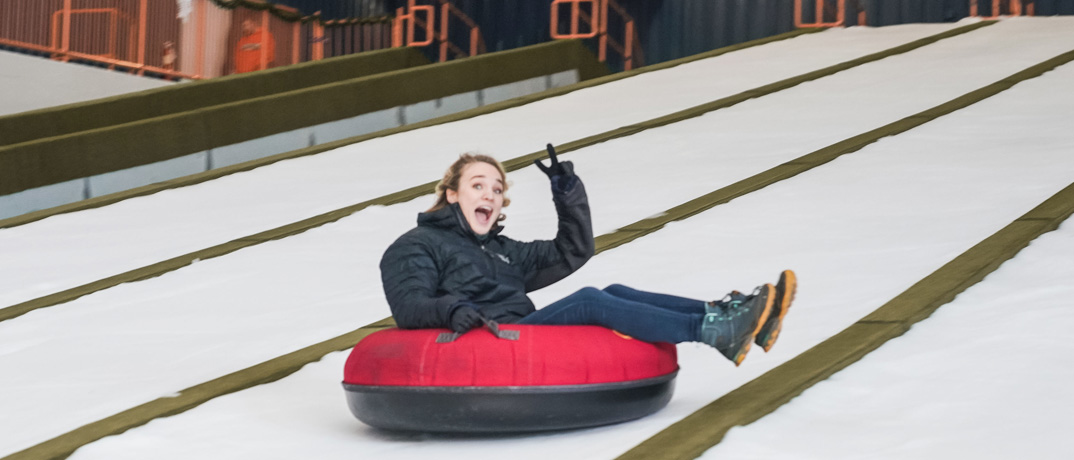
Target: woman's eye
point(477, 186)
point(498, 191)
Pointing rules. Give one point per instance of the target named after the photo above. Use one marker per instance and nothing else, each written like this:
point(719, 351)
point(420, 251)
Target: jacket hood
point(450, 217)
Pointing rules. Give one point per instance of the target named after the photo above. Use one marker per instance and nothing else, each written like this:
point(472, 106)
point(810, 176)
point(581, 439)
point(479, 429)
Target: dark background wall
point(670, 29)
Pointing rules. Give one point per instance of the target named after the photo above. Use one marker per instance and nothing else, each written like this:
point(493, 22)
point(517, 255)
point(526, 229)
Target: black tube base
point(507, 409)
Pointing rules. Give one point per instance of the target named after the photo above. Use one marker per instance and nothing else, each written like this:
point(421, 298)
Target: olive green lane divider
point(590, 78)
point(693, 435)
point(175, 263)
point(125, 108)
point(277, 368)
point(111, 148)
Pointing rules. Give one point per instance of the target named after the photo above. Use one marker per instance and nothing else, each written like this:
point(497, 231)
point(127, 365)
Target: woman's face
point(480, 196)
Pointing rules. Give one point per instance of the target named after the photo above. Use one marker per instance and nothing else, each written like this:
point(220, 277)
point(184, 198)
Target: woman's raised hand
point(561, 174)
point(556, 169)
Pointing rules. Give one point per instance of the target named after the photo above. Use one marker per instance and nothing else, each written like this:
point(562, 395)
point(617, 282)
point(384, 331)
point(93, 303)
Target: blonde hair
point(454, 174)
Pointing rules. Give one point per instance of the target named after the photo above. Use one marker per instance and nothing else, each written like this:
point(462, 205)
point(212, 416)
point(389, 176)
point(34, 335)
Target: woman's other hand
point(465, 317)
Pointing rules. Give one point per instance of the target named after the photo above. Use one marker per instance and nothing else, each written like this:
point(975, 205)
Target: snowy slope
point(858, 231)
point(40, 259)
point(139, 341)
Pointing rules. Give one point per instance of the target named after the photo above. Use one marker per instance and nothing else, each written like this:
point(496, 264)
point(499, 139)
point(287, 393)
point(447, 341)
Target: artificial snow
point(858, 231)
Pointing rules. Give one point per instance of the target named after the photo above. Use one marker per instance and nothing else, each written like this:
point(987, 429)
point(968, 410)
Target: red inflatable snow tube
point(529, 378)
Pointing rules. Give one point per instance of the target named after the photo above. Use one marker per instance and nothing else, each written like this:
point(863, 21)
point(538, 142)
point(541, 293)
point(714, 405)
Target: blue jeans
point(643, 315)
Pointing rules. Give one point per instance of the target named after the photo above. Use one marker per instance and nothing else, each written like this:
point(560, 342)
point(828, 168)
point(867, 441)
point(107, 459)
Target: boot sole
point(785, 290)
point(770, 299)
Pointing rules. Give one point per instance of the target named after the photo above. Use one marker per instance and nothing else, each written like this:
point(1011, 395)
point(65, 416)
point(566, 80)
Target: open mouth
point(483, 214)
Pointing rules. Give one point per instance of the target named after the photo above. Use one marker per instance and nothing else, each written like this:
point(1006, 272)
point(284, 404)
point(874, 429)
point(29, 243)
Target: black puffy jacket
point(441, 263)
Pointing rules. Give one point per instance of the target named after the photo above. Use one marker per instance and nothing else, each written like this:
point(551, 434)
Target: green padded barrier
point(511, 165)
point(591, 69)
point(61, 158)
point(827, 357)
point(125, 108)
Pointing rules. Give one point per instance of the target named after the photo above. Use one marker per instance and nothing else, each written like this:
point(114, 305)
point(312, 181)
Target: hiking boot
point(730, 325)
point(784, 296)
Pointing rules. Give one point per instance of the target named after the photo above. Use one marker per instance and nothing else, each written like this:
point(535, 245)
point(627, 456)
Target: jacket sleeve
point(549, 261)
point(410, 277)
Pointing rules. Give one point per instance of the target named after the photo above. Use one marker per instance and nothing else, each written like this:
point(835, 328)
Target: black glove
point(464, 317)
point(561, 174)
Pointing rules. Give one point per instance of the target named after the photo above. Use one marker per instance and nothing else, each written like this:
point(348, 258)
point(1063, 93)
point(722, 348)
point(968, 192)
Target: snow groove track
point(123, 237)
point(720, 158)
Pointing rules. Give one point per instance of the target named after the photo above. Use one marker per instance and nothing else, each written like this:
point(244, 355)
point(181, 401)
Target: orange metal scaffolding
point(407, 21)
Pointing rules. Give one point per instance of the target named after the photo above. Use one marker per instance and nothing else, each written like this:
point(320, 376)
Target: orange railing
point(1014, 8)
point(407, 22)
point(577, 15)
point(111, 41)
point(447, 13)
point(597, 18)
point(204, 40)
point(109, 32)
point(822, 9)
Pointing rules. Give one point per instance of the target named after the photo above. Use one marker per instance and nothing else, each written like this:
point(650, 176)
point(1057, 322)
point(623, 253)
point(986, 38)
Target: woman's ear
point(452, 196)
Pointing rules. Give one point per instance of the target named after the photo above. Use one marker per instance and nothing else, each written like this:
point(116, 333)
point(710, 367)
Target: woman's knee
point(619, 290)
point(588, 296)
point(588, 292)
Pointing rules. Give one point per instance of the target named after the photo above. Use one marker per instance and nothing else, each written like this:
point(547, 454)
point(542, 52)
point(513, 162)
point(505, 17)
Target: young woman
point(455, 270)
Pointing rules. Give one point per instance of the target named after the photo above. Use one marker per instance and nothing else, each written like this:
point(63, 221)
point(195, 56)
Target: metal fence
point(193, 39)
